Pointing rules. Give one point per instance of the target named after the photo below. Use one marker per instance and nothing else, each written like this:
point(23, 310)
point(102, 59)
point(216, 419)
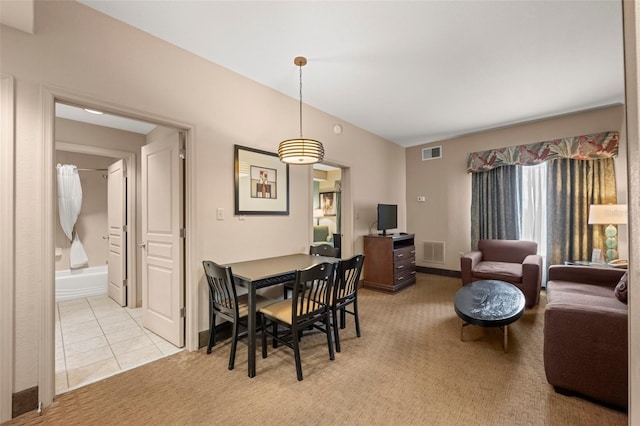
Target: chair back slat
point(222, 288)
point(312, 290)
point(348, 276)
point(323, 250)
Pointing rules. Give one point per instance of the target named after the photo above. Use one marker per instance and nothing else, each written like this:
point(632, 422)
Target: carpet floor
point(409, 367)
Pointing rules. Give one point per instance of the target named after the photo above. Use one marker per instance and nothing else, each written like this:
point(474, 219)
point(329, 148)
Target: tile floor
point(96, 338)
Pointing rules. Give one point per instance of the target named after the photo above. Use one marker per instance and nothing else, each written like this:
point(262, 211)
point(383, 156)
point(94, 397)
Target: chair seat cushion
point(282, 311)
point(243, 304)
point(503, 271)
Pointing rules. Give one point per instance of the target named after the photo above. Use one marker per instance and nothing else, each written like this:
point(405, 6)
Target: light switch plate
point(220, 213)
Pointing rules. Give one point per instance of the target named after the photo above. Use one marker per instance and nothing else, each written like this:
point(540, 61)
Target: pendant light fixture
point(300, 150)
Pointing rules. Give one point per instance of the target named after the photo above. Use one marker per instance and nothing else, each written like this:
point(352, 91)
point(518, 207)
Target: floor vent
point(431, 153)
point(433, 251)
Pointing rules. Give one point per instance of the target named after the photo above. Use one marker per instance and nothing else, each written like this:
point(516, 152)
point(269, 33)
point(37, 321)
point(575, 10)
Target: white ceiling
point(410, 71)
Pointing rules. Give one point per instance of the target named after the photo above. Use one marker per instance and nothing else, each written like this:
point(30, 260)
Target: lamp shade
point(300, 151)
point(607, 214)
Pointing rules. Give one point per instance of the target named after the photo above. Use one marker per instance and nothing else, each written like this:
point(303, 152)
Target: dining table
point(267, 272)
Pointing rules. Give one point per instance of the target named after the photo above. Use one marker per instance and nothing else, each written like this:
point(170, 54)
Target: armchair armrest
point(468, 261)
point(607, 277)
point(532, 278)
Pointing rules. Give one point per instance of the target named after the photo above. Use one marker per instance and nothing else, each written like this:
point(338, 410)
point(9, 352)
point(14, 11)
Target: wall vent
point(433, 251)
point(431, 153)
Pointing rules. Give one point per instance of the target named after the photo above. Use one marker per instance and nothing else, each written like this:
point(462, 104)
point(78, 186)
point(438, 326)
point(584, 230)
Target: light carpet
point(409, 367)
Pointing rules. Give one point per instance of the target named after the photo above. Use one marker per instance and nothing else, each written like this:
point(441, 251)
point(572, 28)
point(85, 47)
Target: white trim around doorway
point(7, 251)
point(50, 95)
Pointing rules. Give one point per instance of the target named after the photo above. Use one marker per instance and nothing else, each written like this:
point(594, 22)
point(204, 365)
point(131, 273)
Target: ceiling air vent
point(433, 251)
point(431, 153)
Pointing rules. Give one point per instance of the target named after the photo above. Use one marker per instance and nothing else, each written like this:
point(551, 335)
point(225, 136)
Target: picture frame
point(261, 182)
point(328, 203)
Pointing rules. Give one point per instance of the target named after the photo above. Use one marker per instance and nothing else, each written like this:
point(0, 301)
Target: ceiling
point(411, 72)
point(75, 113)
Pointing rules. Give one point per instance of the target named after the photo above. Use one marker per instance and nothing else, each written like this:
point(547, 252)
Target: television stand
point(389, 262)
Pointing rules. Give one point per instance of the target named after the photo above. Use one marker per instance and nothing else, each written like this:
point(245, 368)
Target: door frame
point(130, 161)
point(7, 247)
point(51, 95)
point(347, 247)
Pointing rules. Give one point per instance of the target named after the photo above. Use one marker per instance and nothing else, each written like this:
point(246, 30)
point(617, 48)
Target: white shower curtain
point(69, 205)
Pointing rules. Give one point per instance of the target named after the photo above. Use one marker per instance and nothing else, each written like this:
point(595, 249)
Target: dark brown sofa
point(585, 333)
point(513, 261)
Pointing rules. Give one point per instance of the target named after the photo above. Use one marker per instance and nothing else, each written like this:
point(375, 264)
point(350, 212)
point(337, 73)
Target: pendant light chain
point(300, 67)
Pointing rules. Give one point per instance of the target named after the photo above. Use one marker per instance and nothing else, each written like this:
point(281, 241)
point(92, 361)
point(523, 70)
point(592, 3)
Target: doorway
point(327, 205)
point(94, 336)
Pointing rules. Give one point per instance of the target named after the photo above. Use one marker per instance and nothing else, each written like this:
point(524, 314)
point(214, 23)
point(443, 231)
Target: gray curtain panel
point(496, 204)
point(572, 187)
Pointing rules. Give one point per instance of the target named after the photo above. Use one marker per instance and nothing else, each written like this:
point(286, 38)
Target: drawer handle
point(399, 278)
point(413, 272)
point(413, 252)
point(400, 267)
point(400, 254)
point(413, 262)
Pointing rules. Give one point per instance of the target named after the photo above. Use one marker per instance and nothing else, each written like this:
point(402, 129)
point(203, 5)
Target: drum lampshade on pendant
point(300, 150)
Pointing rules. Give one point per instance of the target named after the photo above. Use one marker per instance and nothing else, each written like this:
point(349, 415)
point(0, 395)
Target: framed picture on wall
point(261, 182)
point(328, 203)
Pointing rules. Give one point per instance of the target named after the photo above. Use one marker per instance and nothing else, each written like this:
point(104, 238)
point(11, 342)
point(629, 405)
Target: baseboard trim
point(436, 271)
point(24, 401)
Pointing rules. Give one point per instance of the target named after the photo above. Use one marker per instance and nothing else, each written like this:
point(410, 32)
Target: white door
point(162, 245)
point(117, 221)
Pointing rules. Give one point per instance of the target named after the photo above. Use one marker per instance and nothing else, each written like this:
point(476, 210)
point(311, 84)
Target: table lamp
point(611, 215)
point(317, 214)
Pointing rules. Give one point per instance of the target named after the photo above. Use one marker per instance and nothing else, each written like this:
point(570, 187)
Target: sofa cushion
point(504, 271)
point(577, 288)
point(582, 296)
point(621, 289)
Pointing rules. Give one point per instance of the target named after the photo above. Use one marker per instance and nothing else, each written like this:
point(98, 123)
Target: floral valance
point(587, 147)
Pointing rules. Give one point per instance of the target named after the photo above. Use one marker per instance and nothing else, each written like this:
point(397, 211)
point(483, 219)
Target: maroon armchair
point(512, 261)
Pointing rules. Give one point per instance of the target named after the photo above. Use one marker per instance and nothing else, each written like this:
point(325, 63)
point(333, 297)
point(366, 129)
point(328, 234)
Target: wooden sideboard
point(389, 262)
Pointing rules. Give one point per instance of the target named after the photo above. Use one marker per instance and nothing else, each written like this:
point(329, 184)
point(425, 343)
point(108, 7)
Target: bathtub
point(83, 282)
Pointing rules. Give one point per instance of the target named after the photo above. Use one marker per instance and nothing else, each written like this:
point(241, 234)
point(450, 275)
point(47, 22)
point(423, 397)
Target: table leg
point(251, 329)
point(505, 341)
point(464, 324)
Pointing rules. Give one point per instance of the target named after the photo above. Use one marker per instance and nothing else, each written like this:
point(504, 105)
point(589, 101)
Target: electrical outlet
point(220, 213)
point(422, 199)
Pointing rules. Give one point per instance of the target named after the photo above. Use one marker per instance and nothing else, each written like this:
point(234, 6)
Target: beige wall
point(445, 216)
point(78, 50)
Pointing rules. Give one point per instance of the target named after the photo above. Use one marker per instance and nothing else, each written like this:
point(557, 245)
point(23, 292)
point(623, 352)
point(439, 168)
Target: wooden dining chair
point(317, 250)
point(308, 307)
point(345, 293)
point(225, 303)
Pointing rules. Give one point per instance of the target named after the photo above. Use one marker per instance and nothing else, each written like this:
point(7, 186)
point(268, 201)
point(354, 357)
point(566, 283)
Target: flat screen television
point(387, 217)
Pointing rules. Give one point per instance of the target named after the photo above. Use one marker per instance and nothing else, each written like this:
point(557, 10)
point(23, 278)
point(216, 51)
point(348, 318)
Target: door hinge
point(124, 228)
point(183, 154)
point(125, 283)
point(183, 233)
point(183, 312)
